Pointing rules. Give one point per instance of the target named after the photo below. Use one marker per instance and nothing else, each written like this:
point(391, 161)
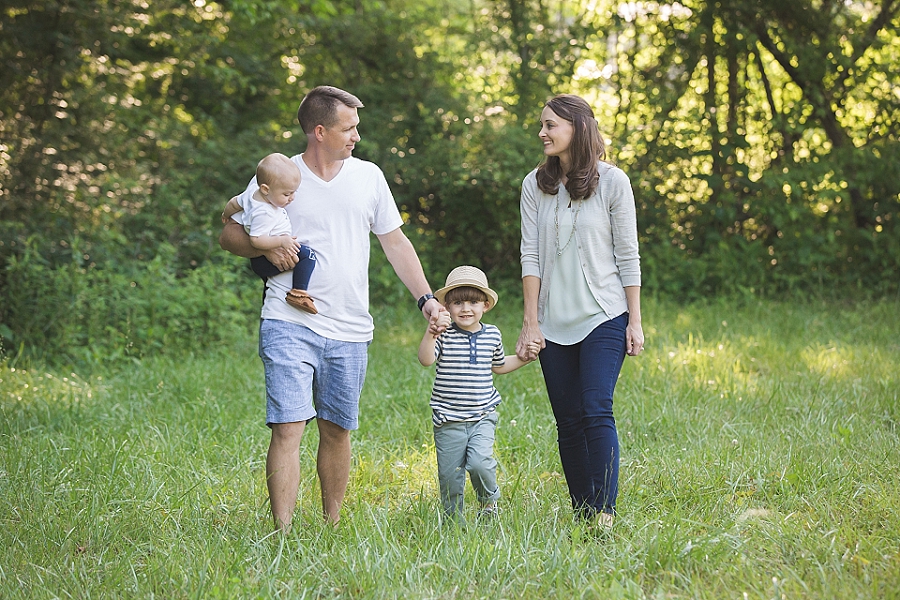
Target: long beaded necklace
point(559, 250)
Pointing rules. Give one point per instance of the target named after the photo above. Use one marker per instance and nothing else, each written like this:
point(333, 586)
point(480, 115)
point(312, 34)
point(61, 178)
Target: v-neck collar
point(316, 175)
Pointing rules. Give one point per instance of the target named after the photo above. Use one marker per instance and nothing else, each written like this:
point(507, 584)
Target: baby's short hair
point(465, 293)
point(274, 167)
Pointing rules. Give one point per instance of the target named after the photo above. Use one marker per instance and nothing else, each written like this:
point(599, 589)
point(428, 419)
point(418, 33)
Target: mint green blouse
point(572, 311)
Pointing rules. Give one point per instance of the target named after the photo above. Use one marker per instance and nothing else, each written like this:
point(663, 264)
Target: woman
point(581, 278)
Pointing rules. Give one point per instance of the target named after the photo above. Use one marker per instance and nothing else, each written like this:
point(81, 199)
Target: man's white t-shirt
point(334, 218)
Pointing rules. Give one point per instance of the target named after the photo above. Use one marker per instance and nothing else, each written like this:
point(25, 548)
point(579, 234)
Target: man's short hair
point(319, 107)
point(464, 293)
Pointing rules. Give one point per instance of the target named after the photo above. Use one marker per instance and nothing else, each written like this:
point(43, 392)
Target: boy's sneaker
point(489, 511)
point(301, 301)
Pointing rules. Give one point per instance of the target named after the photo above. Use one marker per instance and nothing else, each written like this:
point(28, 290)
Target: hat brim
point(439, 295)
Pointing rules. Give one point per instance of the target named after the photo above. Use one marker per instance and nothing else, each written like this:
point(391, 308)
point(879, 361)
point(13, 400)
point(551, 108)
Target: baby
point(266, 222)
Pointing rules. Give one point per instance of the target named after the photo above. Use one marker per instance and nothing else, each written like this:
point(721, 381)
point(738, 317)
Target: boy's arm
point(231, 207)
point(513, 362)
point(426, 349)
point(429, 340)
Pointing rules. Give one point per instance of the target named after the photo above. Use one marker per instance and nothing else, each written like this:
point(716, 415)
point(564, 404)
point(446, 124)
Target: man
point(321, 357)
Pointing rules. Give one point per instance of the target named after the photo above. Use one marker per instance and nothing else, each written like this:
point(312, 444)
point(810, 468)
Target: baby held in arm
point(267, 223)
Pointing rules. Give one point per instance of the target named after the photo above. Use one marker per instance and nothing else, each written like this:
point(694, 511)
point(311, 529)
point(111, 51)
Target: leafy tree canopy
point(761, 136)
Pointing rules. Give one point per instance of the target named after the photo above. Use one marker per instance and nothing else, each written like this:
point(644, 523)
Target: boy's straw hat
point(469, 277)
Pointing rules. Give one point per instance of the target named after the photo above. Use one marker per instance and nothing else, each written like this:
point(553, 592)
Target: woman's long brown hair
point(585, 150)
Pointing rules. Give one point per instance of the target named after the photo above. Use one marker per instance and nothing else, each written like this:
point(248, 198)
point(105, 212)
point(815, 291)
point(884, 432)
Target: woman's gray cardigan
point(605, 235)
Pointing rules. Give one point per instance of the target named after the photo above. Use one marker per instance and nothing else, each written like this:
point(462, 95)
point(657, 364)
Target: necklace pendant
point(559, 250)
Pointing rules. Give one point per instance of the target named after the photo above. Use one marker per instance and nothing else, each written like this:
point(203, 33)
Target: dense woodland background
point(762, 138)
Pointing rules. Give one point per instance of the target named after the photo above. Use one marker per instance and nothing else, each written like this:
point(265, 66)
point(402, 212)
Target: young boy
point(269, 227)
point(464, 399)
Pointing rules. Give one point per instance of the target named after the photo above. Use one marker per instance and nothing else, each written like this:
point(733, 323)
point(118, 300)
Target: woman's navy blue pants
point(580, 381)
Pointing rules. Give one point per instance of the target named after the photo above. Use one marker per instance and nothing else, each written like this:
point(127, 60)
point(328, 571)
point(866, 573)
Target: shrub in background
point(83, 315)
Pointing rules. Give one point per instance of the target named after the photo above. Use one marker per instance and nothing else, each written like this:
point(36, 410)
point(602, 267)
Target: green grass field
point(760, 459)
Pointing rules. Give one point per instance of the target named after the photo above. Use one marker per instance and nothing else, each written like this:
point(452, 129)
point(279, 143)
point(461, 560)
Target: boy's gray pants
point(466, 446)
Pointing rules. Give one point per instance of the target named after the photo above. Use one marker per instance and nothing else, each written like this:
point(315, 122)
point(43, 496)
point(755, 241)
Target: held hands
point(532, 349)
point(530, 343)
point(440, 324)
point(438, 317)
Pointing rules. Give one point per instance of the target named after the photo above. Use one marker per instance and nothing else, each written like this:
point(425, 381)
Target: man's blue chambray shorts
point(310, 376)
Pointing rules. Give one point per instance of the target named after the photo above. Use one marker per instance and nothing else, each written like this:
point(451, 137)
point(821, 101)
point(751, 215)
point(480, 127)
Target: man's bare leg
point(283, 471)
point(333, 465)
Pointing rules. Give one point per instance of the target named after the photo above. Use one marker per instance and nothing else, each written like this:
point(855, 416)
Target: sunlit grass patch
point(31, 389)
point(760, 455)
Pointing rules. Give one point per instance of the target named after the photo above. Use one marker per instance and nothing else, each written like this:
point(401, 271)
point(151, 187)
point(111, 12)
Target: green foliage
point(748, 131)
point(761, 137)
point(455, 158)
point(127, 126)
point(85, 316)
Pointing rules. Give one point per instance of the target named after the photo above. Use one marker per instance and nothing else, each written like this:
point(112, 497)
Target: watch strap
point(421, 301)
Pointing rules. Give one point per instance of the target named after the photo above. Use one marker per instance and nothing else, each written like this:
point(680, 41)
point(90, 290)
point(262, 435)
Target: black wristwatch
point(421, 301)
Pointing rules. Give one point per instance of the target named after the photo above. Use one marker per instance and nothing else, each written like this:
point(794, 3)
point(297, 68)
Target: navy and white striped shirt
point(464, 383)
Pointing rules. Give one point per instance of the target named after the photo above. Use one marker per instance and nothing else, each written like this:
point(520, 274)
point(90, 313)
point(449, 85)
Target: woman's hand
point(533, 349)
point(634, 334)
point(530, 343)
point(634, 338)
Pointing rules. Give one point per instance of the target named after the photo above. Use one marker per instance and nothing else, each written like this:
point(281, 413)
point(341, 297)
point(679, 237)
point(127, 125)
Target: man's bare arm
point(402, 256)
point(235, 240)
